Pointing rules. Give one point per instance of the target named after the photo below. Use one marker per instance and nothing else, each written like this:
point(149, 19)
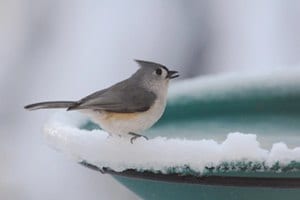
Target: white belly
point(123, 123)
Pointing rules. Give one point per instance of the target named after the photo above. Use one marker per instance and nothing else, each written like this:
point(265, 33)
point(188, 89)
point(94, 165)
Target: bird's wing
point(121, 98)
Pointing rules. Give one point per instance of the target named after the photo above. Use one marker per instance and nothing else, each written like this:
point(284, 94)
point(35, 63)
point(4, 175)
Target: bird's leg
point(135, 136)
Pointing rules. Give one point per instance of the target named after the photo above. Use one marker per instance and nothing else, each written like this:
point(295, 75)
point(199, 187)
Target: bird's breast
point(123, 123)
point(111, 116)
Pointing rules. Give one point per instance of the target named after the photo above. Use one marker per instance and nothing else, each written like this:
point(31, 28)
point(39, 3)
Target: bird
point(128, 107)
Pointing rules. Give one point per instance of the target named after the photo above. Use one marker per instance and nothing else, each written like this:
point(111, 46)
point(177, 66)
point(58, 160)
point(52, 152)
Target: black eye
point(158, 71)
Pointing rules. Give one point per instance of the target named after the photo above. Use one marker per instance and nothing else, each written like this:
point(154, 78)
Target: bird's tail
point(50, 104)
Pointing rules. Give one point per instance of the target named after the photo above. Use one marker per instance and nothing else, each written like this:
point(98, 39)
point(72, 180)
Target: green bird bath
point(225, 137)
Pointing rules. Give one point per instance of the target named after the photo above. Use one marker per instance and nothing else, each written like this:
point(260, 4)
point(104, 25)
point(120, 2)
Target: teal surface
point(155, 190)
point(273, 114)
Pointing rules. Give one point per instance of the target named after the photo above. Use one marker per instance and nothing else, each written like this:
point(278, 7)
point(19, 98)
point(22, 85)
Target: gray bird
point(128, 107)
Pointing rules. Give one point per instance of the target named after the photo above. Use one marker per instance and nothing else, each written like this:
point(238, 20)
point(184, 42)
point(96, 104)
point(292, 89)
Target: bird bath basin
point(225, 137)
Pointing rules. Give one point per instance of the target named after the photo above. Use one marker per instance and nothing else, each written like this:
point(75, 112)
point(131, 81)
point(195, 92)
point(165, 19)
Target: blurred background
point(66, 49)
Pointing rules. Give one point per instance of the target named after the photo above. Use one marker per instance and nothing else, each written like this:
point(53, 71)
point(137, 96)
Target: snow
point(237, 85)
point(96, 147)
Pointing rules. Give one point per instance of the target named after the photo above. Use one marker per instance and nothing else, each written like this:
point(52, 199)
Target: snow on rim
point(160, 153)
point(279, 81)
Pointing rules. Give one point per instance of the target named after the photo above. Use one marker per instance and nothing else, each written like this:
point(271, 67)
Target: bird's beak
point(172, 74)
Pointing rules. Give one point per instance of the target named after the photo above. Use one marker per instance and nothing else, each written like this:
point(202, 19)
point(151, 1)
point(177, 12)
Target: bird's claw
point(135, 136)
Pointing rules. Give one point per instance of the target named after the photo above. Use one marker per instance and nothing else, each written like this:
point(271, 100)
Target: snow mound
point(162, 154)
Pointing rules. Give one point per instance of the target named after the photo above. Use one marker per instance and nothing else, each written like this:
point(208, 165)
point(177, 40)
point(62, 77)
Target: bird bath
point(225, 137)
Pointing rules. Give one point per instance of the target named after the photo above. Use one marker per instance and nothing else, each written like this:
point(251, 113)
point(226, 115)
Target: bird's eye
point(158, 71)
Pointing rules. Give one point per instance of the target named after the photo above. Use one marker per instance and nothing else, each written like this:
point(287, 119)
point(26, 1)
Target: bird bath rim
point(214, 180)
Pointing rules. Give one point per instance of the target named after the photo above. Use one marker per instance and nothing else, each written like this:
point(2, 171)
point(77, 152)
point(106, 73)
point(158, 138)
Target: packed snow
point(161, 154)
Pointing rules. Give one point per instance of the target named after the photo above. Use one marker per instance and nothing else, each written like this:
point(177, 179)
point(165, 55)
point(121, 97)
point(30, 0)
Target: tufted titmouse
point(128, 107)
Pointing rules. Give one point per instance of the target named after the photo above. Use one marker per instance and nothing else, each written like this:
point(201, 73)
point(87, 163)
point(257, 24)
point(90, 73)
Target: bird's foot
point(135, 136)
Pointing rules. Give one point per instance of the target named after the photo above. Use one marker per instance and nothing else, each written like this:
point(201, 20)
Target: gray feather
point(148, 64)
point(50, 104)
point(127, 96)
point(124, 97)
